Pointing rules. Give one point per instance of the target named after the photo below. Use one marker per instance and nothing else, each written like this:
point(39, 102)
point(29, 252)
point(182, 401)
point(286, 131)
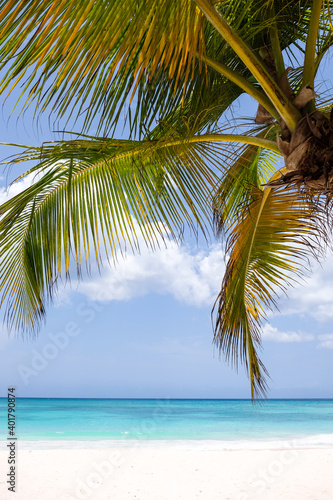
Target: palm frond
point(95, 52)
point(93, 57)
point(253, 166)
point(94, 196)
point(268, 249)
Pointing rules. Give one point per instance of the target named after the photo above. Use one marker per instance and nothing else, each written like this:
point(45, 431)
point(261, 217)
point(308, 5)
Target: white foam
point(303, 442)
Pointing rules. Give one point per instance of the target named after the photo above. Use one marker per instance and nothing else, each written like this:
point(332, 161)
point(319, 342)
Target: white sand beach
point(157, 472)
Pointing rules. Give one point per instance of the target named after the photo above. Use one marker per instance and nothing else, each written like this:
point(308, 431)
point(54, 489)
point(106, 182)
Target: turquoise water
point(128, 419)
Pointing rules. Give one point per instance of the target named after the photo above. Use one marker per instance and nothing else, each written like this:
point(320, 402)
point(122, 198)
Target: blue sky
point(144, 329)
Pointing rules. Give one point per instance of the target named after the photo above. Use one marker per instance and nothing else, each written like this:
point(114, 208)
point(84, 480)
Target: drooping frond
point(202, 100)
point(92, 196)
point(253, 167)
point(268, 248)
point(95, 52)
point(95, 56)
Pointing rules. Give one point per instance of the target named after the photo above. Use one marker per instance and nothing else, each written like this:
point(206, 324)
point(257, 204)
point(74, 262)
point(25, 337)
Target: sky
point(144, 328)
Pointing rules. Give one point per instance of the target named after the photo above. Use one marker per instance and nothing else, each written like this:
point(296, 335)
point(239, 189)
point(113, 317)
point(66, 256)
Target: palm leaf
point(94, 196)
point(95, 52)
point(252, 166)
point(268, 246)
point(105, 53)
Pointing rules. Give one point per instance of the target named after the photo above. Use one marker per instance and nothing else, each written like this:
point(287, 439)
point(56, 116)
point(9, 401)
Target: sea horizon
point(255, 402)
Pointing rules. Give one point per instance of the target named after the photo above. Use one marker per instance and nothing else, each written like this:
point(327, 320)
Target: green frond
point(99, 195)
point(92, 58)
point(253, 166)
point(95, 51)
point(268, 248)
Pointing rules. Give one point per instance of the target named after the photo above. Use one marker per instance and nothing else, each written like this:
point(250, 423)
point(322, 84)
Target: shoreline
point(305, 442)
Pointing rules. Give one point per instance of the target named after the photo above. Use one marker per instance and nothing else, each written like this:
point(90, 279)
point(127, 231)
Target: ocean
point(223, 423)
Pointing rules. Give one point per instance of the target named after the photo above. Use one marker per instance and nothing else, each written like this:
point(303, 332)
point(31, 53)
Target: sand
point(169, 472)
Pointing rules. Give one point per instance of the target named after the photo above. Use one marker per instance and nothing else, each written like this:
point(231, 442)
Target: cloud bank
point(313, 298)
point(17, 187)
point(193, 278)
point(326, 341)
point(190, 276)
point(272, 334)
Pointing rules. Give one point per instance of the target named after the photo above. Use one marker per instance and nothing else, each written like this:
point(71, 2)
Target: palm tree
point(175, 67)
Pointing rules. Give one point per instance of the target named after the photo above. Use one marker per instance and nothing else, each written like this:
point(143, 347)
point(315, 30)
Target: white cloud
point(14, 189)
point(314, 297)
point(17, 187)
point(190, 277)
point(326, 341)
point(193, 277)
point(272, 334)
